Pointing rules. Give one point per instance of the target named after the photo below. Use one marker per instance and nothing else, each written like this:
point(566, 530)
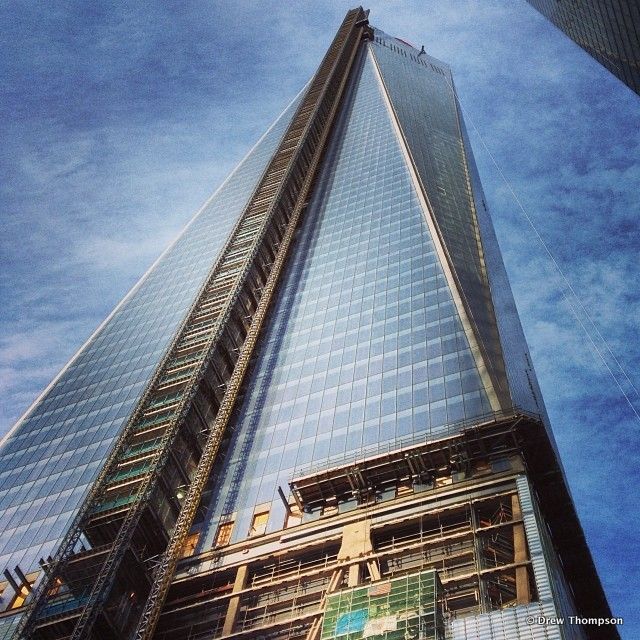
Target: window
point(223, 535)
point(292, 519)
point(259, 523)
point(189, 547)
point(500, 464)
point(55, 588)
point(19, 598)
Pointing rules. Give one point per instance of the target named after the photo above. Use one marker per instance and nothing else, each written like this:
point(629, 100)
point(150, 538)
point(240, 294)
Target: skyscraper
point(319, 408)
point(609, 30)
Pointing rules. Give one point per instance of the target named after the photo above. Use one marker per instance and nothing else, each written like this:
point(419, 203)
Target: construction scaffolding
point(396, 609)
point(449, 507)
point(437, 519)
point(302, 590)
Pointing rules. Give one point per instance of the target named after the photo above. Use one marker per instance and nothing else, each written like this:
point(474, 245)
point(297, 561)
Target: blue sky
point(119, 119)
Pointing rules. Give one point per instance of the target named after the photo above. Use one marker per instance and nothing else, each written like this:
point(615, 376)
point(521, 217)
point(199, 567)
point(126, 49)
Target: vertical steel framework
point(113, 569)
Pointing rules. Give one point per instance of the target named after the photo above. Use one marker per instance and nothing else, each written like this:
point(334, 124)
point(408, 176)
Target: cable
point(559, 270)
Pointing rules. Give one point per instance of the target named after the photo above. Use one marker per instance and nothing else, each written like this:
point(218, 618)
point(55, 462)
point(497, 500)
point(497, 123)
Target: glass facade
point(49, 460)
point(609, 30)
point(365, 347)
point(421, 91)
